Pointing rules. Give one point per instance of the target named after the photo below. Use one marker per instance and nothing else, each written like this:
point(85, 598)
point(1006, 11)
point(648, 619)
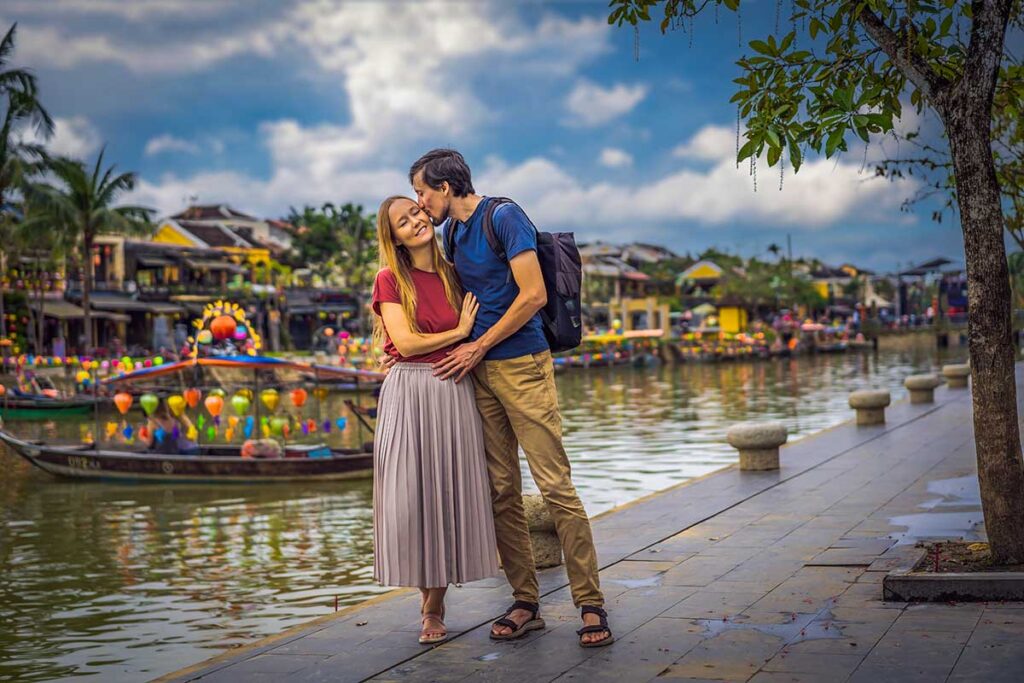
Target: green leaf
point(773, 139)
point(946, 24)
point(835, 139)
point(773, 155)
point(787, 41)
point(814, 27)
point(795, 155)
point(731, 4)
point(746, 150)
point(762, 47)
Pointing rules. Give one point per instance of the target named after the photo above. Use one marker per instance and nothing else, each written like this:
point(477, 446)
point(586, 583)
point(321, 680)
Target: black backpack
point(563, 277)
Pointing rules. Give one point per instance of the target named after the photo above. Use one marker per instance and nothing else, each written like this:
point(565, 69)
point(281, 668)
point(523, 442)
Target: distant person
point(432, 523)
point(168, 435)
point(511, 365)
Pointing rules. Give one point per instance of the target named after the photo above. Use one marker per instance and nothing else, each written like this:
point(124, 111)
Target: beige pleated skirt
point(432, 522)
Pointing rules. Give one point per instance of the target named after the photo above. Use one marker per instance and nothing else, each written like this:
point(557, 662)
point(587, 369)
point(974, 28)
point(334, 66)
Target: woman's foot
point(433, 630)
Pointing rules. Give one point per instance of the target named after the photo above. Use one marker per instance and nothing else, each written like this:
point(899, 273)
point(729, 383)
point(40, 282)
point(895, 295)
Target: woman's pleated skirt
point(432, 522)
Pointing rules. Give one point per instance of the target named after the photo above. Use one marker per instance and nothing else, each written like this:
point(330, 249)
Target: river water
point(126, 582)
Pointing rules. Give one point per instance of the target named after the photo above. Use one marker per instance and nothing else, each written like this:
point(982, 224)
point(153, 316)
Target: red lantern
point(222, 327)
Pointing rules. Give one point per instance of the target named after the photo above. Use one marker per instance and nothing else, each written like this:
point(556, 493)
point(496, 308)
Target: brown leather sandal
point(518, 630)
point(596, 628)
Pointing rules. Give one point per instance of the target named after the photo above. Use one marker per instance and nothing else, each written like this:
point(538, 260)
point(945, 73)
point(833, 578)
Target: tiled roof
point(211, 212)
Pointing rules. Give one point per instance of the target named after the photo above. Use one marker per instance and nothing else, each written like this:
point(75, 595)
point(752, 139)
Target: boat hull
point(27, 409)
point(85, 462)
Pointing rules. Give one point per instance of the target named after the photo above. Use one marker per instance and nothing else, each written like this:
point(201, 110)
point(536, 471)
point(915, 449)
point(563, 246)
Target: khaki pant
point(517, 401)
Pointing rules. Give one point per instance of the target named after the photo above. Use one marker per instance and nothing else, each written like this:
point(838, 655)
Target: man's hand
point(460, 361)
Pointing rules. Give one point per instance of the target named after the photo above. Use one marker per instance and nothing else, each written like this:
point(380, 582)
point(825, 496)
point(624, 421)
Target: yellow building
point(732, 319)
point(209, 235)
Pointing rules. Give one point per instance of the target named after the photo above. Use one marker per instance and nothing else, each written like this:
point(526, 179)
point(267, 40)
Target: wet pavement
point(739, 576)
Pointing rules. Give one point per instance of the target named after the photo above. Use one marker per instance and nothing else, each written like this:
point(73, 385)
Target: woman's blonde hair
point(396, 258)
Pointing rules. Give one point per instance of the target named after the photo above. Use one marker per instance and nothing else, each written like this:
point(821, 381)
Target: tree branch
point(913, 66)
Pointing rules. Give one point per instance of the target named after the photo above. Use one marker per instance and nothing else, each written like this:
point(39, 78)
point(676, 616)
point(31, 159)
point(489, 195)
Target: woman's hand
point(470, 306)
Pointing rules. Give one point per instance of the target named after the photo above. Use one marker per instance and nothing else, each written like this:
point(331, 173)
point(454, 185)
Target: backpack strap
point(449, 240)
point(488, 225)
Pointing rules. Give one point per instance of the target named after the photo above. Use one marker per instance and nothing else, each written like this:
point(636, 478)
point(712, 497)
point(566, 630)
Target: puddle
point(928, 525)
point(959, 492)
point(489, 657)
point(649, 582)
point(801, 627)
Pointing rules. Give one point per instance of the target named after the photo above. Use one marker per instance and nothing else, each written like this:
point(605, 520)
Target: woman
point(432, 520)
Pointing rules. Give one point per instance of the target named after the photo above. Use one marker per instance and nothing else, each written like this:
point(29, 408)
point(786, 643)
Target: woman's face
point(410, 225)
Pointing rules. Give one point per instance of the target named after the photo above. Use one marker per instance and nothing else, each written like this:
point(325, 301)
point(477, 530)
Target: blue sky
point(267, 105)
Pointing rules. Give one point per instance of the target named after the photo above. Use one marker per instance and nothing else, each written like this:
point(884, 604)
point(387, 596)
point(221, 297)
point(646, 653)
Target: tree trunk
point(87, 291)
point(3, 310)
point(996, 430)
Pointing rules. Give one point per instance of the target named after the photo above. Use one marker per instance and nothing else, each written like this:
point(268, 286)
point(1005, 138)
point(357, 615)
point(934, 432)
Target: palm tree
point(19, 160)
point(80, 208)
point(774, 249)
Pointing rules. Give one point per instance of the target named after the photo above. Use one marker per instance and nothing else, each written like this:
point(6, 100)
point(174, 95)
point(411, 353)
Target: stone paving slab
point(759, 576)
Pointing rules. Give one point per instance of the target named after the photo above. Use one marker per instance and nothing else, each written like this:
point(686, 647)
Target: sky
point(267, 105)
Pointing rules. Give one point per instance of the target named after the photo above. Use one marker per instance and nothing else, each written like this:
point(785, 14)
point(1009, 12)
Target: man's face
point(435, 202)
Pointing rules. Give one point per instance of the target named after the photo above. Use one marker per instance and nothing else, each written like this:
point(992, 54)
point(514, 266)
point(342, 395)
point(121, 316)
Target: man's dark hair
point(444, 165)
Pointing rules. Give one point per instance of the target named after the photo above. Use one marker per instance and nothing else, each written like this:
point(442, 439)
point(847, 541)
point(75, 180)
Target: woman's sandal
point(518, 630)
point(442, 632)
point(596, 628)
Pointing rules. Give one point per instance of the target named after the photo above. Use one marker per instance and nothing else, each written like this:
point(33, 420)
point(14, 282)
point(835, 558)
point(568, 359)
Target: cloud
point(615, 158)
point(72, 137)
point(169, 143)
point(824, 193)
point(710, 143)
point(592, 105)
point(132, 11)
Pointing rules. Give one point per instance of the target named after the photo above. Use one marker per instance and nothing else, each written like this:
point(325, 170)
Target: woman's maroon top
point(433, 312)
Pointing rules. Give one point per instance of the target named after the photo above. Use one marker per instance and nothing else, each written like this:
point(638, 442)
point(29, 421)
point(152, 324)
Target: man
point(509, 357)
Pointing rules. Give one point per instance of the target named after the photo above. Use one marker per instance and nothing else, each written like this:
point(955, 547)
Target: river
point(127, 582)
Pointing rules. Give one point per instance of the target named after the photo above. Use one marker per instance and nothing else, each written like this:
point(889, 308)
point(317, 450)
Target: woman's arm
point(410, 343)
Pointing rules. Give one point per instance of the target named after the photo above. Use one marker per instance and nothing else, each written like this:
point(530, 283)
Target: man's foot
point(595, 631)
point(520, 616)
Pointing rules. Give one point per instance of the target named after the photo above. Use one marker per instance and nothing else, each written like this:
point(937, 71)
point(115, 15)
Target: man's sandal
point(442, 633)
point(518, 630)
point(596, 628)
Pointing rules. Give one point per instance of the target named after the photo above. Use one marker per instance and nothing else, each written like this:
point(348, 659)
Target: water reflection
point(126, 582)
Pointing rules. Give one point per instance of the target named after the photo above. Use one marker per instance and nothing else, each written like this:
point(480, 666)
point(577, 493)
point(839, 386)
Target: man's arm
point(531, 298)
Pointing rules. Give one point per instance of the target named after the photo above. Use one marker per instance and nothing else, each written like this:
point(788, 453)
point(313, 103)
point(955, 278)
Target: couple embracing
point(470, 381)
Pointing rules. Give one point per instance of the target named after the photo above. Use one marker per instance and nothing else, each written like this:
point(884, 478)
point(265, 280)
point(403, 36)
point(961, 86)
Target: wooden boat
point(44, 407)
point(220, 463)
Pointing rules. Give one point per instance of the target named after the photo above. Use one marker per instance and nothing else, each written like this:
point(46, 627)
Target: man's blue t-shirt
point(490, 279)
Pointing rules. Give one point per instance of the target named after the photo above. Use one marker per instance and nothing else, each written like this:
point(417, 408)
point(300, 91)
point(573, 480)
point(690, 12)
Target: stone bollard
point(922, 387)
point(547, 549)
point(758, 444)
point(870, 406)
point(956, 375)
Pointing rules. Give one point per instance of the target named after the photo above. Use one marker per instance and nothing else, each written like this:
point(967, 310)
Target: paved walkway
point(737, 576)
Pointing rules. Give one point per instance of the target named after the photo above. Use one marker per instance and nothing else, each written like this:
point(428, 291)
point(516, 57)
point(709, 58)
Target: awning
point(203, 264)
point(65, 310)
point(116, 302)
point(154, 262)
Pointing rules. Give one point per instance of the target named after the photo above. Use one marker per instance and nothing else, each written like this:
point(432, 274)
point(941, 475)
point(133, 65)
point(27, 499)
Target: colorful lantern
point(277, 426)
point(204, 337)
point(223, 327)
point(123, 401)
point(214, 404)
point(299, 397)
point(192, 397)
point(270, 399)
point(176, 404)
point(149, 402)
point(240, 404)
